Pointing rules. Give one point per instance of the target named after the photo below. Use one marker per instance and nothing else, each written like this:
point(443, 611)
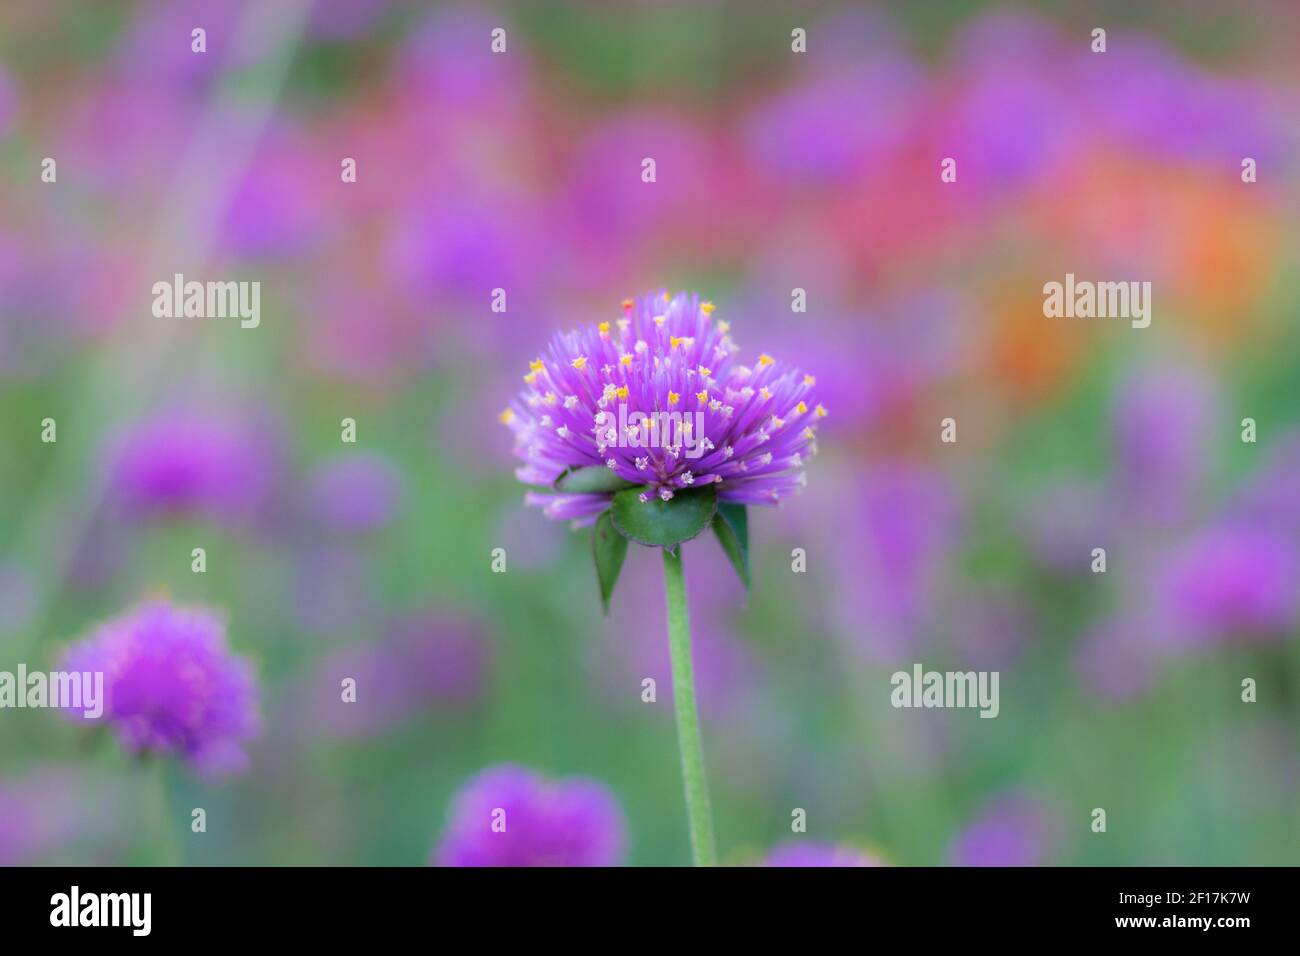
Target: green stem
point(163, 811)
point(698, 814)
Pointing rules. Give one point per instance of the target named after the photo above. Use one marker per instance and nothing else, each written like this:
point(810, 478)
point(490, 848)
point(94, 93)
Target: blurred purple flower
point(805, 133)
point(171, 686)
point(121, 126)
point(802, 854)
point(1271, 496)
point(447, 64)
point(354, 493)
point(1013, 830)
point(426, 660)
point(570, 822)
point(274, 211)
point(1152, 102)
point(1011, 121)
point(1160, 424)
point(666, 355)
point(466, 245)
point(610, 212)
point(1233, 579)
point(190, 462)
point(52, 812)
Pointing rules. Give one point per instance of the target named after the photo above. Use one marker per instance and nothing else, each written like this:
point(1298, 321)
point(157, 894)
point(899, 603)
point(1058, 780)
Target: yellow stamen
point(536, 365)
point(506, 416)
point(530, 377)
point(702, 395)
point(809, 380)
point(625, 358)
point(580, 362)
point(707, 308)
point(802, 408)
point(704, 372)
point(765, 392)
point(674, 341)
point(765, 360)
point(820, 411)
point(659, 320)
point(622, 392)
point(673, 398)
point(603, 328)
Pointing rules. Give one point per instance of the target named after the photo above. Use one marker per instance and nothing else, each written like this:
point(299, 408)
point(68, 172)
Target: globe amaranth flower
point(1231, 580)
point(171, 686)
point(1015, 829)
point(192, 462)
point(660, 398)
point(510, 816)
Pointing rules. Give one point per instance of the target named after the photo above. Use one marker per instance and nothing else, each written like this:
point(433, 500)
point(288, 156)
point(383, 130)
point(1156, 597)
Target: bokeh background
point(775, 170)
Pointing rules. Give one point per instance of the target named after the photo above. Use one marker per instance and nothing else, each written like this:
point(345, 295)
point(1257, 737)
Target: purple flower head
point(1235, 579)
point(1150, 100)
point(1160, 421)
point(510, 816)
point(1011, 120)
point(273, 211)
point(1014, 830)
point(805, 134)
point(659, 398)
point(799, 853)
point(185, 462)
point(171, 686)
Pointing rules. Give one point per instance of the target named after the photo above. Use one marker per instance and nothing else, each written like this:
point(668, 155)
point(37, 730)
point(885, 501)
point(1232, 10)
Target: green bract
point(608, 548)
point(659, 523)
point(592, 479)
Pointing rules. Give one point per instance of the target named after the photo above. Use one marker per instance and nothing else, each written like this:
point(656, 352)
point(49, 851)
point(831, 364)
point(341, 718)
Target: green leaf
point(590, 479)
point(663, 524)
point(731, 525)
point(608, 548)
